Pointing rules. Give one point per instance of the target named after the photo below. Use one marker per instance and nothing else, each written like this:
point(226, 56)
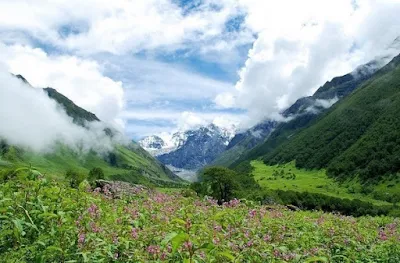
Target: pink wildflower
point(267, 238)
point(252, 213)
point(81, 239)
point(93, 211)
point(134, 233)
point(153, 250)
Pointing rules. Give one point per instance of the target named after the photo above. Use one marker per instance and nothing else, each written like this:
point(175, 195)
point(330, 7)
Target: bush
point(74, 178)
point(96, 174)
point(224, 184)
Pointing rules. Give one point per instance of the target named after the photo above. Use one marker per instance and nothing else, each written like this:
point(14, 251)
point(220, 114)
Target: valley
point(288, 177)
point(197, 131)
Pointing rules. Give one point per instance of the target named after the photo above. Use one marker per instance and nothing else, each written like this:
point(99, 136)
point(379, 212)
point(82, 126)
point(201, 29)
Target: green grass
point(56, 164)
point(313, 181)
point(130, 162)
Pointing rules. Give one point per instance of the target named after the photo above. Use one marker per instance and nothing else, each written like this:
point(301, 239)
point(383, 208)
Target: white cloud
point(147, 81)
point(79, 79)
point(297, 46)
point(302, 44)
point(29, 118)
point(177, 120)
point(117, 26)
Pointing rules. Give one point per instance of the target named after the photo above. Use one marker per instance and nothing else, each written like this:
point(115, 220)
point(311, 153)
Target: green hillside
point(358, 136)
point(126, 162)
point(123, 163)
point(306, 111)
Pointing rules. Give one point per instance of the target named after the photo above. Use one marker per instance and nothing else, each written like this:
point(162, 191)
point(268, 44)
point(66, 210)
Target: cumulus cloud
point(177, 121)
point(314, 42)
point(29, 118)
point(295, 47)
point(81, 80)
point(118, 26)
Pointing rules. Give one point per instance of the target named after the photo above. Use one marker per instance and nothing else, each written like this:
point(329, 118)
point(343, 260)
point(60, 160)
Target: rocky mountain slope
point(192, 149)
point(245, 141)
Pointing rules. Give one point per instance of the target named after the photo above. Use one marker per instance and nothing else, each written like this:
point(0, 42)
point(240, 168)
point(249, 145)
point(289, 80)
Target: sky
point(156, 66)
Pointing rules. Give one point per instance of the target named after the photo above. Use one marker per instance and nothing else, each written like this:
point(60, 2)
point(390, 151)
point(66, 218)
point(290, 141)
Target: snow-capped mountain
point(152, 142)
point(190, 149)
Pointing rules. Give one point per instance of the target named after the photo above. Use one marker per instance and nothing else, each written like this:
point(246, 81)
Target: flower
point(81, 239)
point(188, 245)
point(93, 211)
point(382, 235)
point(252, 213)
point(267, 238)
point(153, 250)
point(134, 233)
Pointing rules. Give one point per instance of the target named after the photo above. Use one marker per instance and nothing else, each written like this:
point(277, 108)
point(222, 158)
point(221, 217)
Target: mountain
point(245, 141)
point(192, 149)
point(357, 137)
point(128, 162)
point(79, 115)
point(334, 90)
point(307, 110)
point(156, 146)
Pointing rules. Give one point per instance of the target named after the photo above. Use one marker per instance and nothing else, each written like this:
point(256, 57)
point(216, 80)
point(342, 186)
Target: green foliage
point(46, 221)
point(358, 136)
point(96, 174)
point(129, 160)
point(74, 178)
point(312, 201)
point(222, 183)
point(280, 177)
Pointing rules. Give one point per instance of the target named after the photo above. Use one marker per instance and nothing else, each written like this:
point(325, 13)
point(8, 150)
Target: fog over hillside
point(29, 118)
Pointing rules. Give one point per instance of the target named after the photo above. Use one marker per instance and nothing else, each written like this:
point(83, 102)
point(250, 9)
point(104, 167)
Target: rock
point(118, 189)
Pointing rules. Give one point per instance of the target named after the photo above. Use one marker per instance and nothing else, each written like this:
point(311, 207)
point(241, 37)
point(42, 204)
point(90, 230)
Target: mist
point(30, 119)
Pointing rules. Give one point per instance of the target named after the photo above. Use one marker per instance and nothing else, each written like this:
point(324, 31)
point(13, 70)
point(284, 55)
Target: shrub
point(74, 178)
point(96, 174)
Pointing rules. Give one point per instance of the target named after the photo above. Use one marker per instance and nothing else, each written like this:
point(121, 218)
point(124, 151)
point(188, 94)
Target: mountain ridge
point(191, 149)
point(126, 162)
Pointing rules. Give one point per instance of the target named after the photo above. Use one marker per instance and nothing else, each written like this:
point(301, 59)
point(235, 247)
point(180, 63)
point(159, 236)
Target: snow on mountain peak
point(167, 142)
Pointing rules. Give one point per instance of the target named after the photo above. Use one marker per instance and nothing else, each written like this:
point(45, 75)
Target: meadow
point(43, 220)
point(288, 177)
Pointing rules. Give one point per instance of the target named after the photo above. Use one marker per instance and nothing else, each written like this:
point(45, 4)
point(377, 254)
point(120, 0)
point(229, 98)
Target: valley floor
point(288, 177)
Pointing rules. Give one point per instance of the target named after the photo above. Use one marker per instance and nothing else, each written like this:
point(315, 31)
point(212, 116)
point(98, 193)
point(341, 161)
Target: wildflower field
point(48, 221)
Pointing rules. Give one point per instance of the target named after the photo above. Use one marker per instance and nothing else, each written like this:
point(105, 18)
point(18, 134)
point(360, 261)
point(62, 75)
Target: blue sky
point(163, 65)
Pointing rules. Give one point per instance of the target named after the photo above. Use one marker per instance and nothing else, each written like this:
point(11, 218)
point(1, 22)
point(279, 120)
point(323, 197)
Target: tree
point(96, 174)
point(221, 182)
point(74, 178)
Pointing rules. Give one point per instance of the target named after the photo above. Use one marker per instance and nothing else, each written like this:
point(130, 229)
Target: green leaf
point(207, 246)
point(219, 215)
point(342, 257)
point(316, 259)
point(54, 248)
point(48, 215)
point(179, 221)
point(178, 240)
point(227, 255)
point(18, 228)
point(168, 238)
